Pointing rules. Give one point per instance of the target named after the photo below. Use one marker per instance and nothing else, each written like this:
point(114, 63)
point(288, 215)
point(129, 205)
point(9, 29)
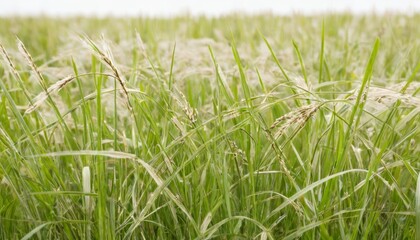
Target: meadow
point(237, 127)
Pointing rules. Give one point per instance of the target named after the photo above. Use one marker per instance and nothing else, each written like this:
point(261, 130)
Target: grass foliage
point(194, 128)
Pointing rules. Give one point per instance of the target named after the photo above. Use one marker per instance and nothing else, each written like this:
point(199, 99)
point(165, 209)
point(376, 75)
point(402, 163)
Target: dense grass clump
point(194, 128)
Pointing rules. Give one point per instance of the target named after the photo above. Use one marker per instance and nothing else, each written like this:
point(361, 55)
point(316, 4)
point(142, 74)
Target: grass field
point(238, 127)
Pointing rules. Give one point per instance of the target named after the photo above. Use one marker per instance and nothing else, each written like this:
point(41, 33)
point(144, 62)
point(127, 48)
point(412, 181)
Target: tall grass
point(193, 128)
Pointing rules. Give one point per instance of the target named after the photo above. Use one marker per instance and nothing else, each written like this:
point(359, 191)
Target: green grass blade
point(321, 54)
point(302, 65)
point(35, 231)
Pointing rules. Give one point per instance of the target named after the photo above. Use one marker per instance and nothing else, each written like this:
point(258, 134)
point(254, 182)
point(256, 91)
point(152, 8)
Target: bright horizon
point(166, 8)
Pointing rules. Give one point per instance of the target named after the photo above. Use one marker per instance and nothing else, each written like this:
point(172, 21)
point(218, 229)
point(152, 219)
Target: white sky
point(197, 7)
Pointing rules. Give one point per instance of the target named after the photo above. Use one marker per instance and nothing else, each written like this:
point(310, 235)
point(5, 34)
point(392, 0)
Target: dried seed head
point(294, 118)
point(6, 57)
point(107, 59)
point(40, 98)
point(31, 63)
point(238, 153)
point(189, 111)
point(388, 96)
